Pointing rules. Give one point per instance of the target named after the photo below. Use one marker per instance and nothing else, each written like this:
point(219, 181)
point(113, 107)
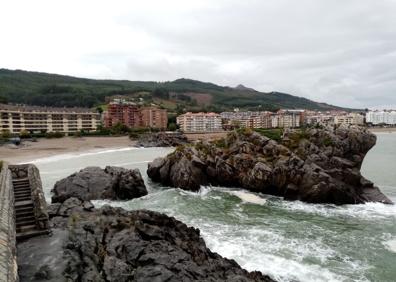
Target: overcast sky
point(341, 52)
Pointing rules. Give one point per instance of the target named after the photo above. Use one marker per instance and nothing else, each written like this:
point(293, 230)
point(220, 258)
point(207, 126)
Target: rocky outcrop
point(161, 139)
point(316, 165)
point(93, 183)
point(112, 244)
point(145, 246)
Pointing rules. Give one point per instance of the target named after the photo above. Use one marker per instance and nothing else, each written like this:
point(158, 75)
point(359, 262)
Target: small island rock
point(93, 183)
point(315, 165)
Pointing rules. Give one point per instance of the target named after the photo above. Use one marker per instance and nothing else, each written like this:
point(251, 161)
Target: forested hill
point(35, 88)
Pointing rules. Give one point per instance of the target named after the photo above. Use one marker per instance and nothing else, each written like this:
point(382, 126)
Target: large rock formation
point(161, 139)
point(112, 244)
point(316, 165)
point(94, 183)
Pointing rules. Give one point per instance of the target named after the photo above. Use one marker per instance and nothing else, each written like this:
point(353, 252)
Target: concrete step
point(20, 184)
point(22, 217)
point(28, 194)
point(23, 180)
point(25, 214)
point(22, 224)
point(24, 204)
point(20, 179)
point(17, 199)
point(32, 233)
point(23, 192)
point(26, 228)
point(21, 199)
point(24, 209)
point(21, 188)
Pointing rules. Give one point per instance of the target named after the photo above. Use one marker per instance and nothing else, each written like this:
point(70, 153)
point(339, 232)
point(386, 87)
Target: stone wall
point(31, 172)
point(8, 264)
point(38, 198)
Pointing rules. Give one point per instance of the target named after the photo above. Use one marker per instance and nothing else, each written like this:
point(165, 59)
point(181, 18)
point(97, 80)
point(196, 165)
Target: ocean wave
point(362, 211)
point(274, 253)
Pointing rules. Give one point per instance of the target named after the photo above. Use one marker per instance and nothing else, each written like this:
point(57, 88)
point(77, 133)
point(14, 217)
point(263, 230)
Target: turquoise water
point(288, 240)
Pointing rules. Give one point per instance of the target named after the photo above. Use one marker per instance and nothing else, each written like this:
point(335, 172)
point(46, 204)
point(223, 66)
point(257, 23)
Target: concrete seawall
point(8, 263)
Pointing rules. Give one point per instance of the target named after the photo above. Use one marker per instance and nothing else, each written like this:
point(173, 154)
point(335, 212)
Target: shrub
point(24, 134)
point(134, 135)
point(55, 134)
point(221, 143)
point(274, 134)
point(6, 134)
point(327, 141)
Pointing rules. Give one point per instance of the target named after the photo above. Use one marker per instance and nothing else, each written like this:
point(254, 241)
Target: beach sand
point(29, 151)
point(385, 130)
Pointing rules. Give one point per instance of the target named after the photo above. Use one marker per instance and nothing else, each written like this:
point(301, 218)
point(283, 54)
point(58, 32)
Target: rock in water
point(315, 165)
point(94, 183)
point(161, 139)
point(111, 244)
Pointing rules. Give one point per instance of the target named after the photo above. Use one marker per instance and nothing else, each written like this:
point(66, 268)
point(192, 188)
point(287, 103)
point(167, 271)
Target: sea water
point(287, 240)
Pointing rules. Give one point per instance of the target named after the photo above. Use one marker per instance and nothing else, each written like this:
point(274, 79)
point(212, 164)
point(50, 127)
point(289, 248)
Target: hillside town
point(15, 119)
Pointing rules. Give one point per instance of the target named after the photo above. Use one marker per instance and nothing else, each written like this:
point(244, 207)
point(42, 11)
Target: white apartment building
point(199, 122)
point(381, 117)
point(15, 119)
point(349, 119)
point(286, 120)
point(264, 119)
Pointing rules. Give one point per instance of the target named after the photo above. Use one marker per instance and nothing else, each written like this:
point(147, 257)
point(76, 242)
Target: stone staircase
point(26, 225)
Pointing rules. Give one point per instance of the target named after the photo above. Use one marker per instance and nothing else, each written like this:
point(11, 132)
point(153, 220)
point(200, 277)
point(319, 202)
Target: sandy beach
point(29, 151)
point(383, 130)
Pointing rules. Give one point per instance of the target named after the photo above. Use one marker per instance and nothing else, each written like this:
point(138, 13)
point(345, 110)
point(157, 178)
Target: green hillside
point(35, 88)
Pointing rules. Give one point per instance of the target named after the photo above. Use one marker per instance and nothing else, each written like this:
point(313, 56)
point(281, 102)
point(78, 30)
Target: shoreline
point(382, 129)
point(43, 148)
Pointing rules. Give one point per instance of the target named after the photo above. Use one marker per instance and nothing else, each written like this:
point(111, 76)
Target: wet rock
point(111, 244)
point(161, 139)
point(94, 183)
point(317, 165)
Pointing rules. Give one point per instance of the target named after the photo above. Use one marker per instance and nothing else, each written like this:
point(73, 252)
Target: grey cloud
point(340, 52)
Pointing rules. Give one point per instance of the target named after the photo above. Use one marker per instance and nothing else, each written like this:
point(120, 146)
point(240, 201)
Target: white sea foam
point(269, 251)
point(391, 245)
point(362, 211)
point(249, 197)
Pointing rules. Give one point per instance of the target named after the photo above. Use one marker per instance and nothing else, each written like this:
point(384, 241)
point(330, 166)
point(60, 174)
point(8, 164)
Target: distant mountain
point(244, 88)
point(36, 88)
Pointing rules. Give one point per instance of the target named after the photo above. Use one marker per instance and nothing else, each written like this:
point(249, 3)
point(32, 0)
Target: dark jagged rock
point(161, 139)
point(312, 165)
point(93, 183)
point(112, 244)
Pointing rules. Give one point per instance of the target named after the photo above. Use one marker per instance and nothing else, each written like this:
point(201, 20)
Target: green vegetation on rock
point(274, 134)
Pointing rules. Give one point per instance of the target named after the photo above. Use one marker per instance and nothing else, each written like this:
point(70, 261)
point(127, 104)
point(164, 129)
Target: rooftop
point(27, 108)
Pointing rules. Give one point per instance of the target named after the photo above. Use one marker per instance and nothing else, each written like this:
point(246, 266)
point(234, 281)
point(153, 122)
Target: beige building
point(15, 119)
point(286, 120)
point(349, 119)
point(199, 122)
